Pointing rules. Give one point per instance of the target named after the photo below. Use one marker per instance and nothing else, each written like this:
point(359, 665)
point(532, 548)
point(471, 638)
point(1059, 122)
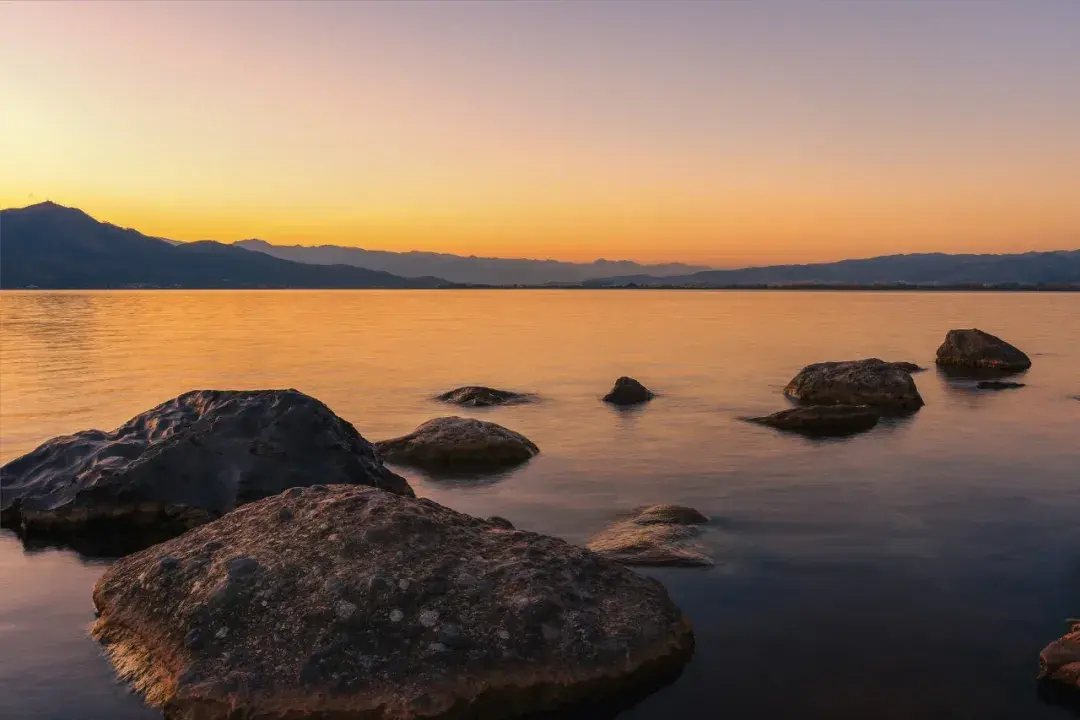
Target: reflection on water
point(912, 571)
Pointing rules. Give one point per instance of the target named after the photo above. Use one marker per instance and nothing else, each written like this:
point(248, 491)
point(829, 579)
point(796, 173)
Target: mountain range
point(52, 246)
point(466, 269)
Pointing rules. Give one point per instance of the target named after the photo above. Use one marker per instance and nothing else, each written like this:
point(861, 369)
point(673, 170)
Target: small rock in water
point(1059, 662)
point(822, 420)
point(974, 348)
point(479, 396)
point(997, 385)
point(456, 443)
point(856, 382)
point(654, 535)
point(628, 391)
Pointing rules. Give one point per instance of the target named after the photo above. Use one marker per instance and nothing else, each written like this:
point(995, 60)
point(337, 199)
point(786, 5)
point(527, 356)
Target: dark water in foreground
point(911, 572)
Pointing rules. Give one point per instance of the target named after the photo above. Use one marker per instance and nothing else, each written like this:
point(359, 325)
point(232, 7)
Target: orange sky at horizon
point(725, 134)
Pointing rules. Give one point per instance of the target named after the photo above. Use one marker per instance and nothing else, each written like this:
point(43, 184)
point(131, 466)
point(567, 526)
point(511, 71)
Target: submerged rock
point(997, 385)
point(456, 443)
point(368, 605)
point(628, 391)
point(181, 464)
point(977, 349)
point(822, 420)
point(654, 535)
point(856, 382)
point(1060, 660)
point(478, 396)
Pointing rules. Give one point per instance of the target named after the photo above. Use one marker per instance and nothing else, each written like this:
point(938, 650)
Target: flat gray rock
point(357, 604)
point(822, 420)
point(977, 349)
point(628, 391)
point(856, 382)
point(654, 535)
point(181, 464)
point(479, 396)
point(457, 443)
point(1059, 661)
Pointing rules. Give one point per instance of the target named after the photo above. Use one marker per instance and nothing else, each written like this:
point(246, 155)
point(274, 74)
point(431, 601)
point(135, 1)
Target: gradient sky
point(728, 133)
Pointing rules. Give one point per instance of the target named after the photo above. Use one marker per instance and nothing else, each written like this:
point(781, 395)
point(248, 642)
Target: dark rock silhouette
point(181, 464)
point(822, 420)
point(977, 349)
point(354, 603)
point(479, 396)
point(1059, 662)
point(655, 535)
point(998, 385)
point(628, 391)
point(909, 367)
point(456, 443)
point(856, 382)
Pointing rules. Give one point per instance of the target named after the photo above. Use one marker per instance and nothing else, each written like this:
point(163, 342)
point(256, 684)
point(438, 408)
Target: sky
point(725, 133)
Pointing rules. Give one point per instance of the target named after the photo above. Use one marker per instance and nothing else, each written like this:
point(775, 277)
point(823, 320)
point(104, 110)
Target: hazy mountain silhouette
point(52, 246)
point(465, 269)
point(1031, 268)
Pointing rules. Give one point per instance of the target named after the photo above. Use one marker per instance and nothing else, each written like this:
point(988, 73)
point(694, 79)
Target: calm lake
point(914, 571)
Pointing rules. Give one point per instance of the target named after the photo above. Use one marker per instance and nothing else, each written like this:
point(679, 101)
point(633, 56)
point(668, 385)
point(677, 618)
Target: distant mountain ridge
point(462, 268)
point(52, 246)
point(1061, 267)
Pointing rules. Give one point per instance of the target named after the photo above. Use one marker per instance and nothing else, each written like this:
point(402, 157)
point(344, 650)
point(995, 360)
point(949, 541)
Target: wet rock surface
point(450, 444)
point(974, 348)
point(628, 391)
point(1059, 662)
point(998, 385)
point(349, 602)
point(856, 382)
point(181, 464)
point(822, 420)
point(654, 535)
point(479, 396)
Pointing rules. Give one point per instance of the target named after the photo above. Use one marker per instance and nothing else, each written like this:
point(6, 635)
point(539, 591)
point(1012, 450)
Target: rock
point(456, 443)
point(997, 385)
point(856, 382)
point(181, 464)
point(654, 535)
point(978, 349)
point(477, 396)
point(628, 391)
point(908, 367)
point(544, 627)
point(1060, 660)
point(822, 420)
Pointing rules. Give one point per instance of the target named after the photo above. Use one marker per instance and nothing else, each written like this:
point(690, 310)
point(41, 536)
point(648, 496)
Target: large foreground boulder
point(478, 396)
point(977, 349)
point(181, 464)
point(822, 420)
point(628, 391)
point(856, 382)
point(354, 603)
point(654, 535)
point(1060, 660)
point(450, 444)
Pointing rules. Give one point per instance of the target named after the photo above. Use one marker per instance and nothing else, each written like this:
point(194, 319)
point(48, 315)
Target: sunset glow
point(721, 133)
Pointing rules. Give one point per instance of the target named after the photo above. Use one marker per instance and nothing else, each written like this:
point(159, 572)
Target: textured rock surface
point(478, 396)
point(654, 535)
point(855, 382)
point(822, 420)
point(456, 443)
point(997, 385)
point(908, 367)
point(1060, 660)
point(347, 602)
point(977, 349)
point(628, 391)
point(183, 463)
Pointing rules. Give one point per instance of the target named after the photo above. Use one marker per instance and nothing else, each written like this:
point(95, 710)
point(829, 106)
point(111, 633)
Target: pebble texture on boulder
point(186, 462)
point(822, 420)
point(348, 602)
point(977, 349)
point(654, 535)
point(1060, 660)
point(628, 391)
point(457, 443)
point(856, 382)
point(478, 396)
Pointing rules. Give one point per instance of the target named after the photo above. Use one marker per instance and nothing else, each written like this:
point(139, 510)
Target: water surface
point(914, 571)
